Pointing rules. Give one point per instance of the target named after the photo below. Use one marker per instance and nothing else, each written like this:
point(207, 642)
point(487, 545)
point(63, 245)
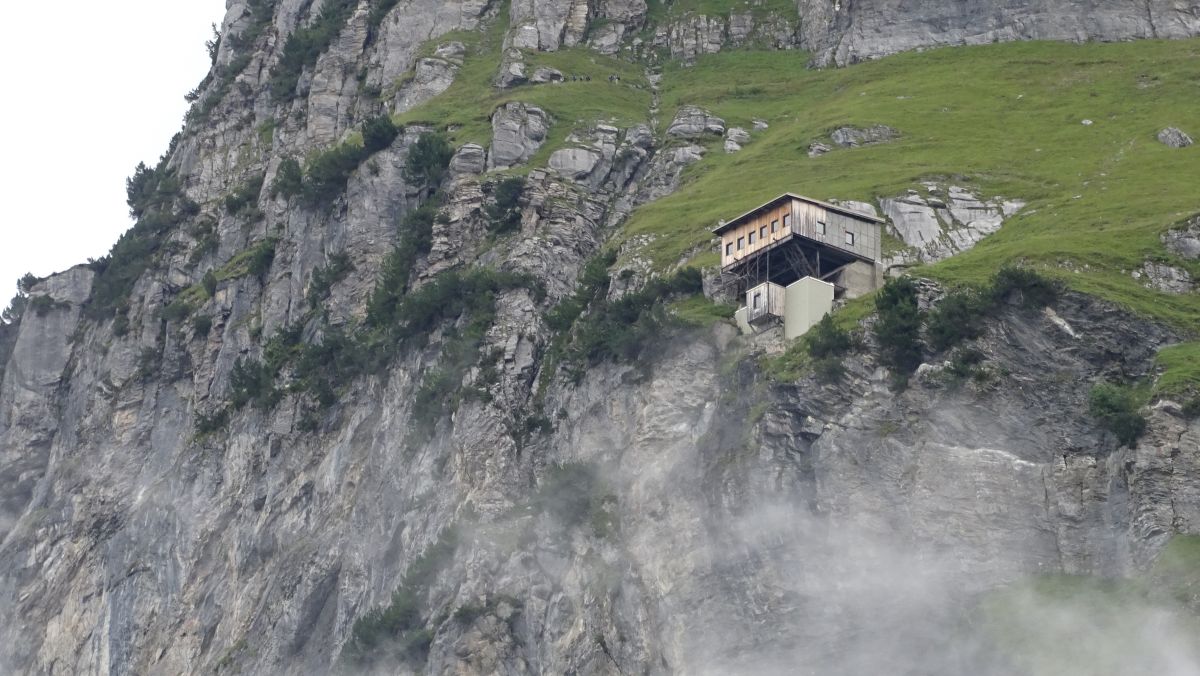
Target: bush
point(209, 282)
point(325, 277)
point(253, 382)
point(289, 179)
point(397, 631)
point(207, 241)
point(958, 317)
point(428, 159)
point(15, 310)
point(261, 257)
point(327, 174)
point(593, 285)
point(898, 328)
point(379, 133)
point(1035, 289)
point(156, 200)
point(26, 283)
point(211, 423)
point(244, 196)
point(1118, 409)
point(826, 345)
point(827, 340)
point(305, 46)
point(504, 213)
point(42, 305)
point(416, 238)
point(202, 324)
point(624, 328)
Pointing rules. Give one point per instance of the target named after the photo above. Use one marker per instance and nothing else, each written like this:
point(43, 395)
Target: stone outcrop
point(735, 138)
point(431, 76)
point(691, 122)
point(942, 222)
point(868, 30)
point(518, 131)
point(1185, 241)
point(1165, 278)
point(1174, 137)
point(853, 137)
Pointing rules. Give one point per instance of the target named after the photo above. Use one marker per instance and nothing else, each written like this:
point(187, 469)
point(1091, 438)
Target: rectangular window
point(762, 232)
point(741, 243)
point(820, 227)
point(775, 224)
point(729, 249)
point(850, 238)
point(757, 299)
point(787, 221)
point(750, 237)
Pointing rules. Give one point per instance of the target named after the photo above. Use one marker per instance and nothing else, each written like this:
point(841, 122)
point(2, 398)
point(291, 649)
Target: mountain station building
point(793, 256)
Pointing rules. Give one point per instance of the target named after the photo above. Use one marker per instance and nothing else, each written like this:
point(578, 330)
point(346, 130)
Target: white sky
point(89, 90)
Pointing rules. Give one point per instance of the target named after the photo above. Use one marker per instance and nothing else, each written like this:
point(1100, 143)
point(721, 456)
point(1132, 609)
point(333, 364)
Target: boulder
point(1165, 278)
point(470, 159)
point(543, 75)
point(574, 163)
point(816, 149)
point(431, 76)
point(853, 137)
point(1175, 138)
point(511, 75)
point(518, 131)
point(1184, 242)
point(692, 122)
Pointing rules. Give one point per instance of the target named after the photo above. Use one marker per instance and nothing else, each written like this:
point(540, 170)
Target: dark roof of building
point(787, 195)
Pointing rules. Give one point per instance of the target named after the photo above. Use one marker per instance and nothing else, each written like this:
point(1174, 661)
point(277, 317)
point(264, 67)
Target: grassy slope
point(1005, 118)
point(465, 109)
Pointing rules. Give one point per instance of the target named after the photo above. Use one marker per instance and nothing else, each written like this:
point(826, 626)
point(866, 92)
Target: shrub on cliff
point(1118, 409)
point(898, 329)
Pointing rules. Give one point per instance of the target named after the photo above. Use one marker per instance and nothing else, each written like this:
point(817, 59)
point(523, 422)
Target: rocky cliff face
point(681, 514)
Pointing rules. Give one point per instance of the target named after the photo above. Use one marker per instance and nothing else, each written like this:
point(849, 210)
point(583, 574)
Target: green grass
point(1181, 369)
point(464, 110)
point(700, 311)
point(1005, 119)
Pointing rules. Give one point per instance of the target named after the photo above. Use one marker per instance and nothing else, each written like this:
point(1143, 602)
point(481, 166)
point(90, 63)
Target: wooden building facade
point(855, 234)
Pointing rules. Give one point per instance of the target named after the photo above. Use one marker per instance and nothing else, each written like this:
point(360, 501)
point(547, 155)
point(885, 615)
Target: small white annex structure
point(800, 305)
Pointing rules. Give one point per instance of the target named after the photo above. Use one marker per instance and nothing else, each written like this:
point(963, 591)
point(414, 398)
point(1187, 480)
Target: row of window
point(748, 239)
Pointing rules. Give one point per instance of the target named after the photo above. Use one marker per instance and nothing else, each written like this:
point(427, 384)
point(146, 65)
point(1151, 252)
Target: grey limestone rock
point(518, 131)
point(852, 137)
point(431, 76)
point(691, 122)
point(844, 34)
point(470, 158)
point(816, 149)
point(1165, 278)
point(543, 75)
point(1184, 242)
point(1174, 137)
point(735, 138)
point(574, 163)
point(944, 222)
point(511, 75)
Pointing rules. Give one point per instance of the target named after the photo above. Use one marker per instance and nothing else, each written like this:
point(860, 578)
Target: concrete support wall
point(806, 302)
point(860, 278)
